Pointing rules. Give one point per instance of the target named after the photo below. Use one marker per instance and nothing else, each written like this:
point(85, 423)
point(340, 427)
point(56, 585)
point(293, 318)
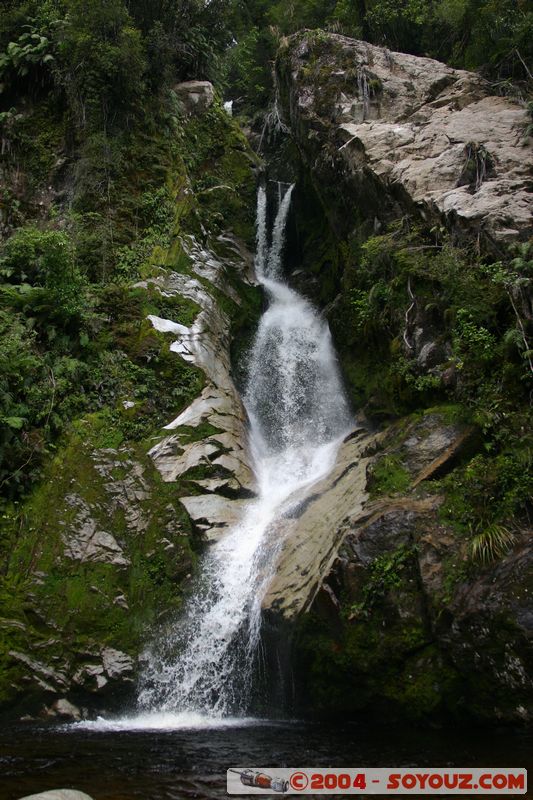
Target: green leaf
point(15, 422)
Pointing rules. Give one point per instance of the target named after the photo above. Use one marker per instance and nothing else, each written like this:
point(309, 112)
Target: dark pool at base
point(167, 765)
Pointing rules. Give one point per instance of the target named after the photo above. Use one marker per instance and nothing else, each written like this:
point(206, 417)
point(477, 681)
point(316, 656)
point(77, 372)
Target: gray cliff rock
point(393, 133)
point(402, 617)
point(222, 457)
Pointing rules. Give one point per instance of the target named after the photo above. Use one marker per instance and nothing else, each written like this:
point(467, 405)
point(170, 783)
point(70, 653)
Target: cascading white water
point(298, 413)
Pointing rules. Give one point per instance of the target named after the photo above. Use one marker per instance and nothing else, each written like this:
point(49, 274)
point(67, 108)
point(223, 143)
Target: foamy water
point(199, 671)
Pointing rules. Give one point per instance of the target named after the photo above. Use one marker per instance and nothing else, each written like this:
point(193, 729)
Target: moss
point(39, 136)
point(202, 431)
point(176, 258)
point(388, 476)
point(73, 602)
point(450, 413)
point(371, 384)
point(425, 686)
point(373, 665)
point(219, 163)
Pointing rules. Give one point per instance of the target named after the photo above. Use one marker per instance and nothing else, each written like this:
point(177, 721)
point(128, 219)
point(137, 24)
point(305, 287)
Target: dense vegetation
point(102, 175)
point(93, 147)
point(478, 313)
point(91, 141)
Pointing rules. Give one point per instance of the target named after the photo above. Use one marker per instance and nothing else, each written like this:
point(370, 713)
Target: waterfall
point(204, 663)
point(363, 90)
point(261, 250)
point(273, 265)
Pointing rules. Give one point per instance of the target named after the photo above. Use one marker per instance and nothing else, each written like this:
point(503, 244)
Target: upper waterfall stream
point(201, 668)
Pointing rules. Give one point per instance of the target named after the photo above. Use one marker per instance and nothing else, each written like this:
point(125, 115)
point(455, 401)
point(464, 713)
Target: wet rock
point(65, 710)
point(116, 664)
point(87, 543)
point(195, 96)
point(314, 531)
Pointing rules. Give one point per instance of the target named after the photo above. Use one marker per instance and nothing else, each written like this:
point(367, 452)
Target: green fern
point(491, 543)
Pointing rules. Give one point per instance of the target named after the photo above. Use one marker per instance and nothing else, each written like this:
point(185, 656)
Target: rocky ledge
point(216, 465)
point(387, 608)
point(391, 134)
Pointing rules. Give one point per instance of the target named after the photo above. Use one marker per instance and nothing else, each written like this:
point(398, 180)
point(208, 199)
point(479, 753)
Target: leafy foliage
point(30, 50)
point(491, 543)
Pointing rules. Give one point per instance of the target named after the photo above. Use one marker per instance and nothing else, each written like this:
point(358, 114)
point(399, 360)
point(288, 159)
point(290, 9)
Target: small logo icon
point(299, 781)
point(260, 780)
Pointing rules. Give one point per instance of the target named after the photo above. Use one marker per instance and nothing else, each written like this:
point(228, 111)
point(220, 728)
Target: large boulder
point(392, 133)
point(195, 96)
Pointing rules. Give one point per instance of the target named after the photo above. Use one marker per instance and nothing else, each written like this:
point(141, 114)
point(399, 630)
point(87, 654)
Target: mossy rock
point(103, 549)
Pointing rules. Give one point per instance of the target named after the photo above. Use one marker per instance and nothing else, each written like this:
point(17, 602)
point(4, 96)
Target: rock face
point(389, 610)
point(220, 460)
point(392, 134)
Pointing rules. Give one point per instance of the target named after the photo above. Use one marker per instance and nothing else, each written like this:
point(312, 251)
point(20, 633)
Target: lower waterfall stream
point(203, 666)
